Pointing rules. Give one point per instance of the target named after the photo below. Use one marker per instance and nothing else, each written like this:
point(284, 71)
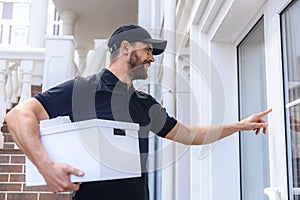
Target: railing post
point(2, 98)
point(19, 75)
point(8, 89)
point(26, 71)
point(15, 84)
point(59, 60)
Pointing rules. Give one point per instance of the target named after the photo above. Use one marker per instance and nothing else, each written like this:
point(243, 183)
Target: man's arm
point(23, 124)
point(208, 134)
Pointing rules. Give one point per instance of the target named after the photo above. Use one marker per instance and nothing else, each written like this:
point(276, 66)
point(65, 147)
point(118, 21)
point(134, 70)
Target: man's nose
point(151, 58)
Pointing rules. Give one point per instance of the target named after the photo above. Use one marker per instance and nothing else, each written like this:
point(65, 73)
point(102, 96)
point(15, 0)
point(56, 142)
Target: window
point(14, 23)
point(291, 70)
point(254, 158)
point(56, 23)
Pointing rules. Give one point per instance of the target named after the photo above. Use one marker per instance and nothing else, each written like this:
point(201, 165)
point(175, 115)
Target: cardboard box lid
point(88, 124)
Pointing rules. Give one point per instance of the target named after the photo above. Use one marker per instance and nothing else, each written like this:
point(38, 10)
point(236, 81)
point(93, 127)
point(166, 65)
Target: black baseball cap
point(134, 33)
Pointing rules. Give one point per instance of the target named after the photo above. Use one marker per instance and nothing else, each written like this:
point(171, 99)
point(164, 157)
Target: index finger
point(263, 113)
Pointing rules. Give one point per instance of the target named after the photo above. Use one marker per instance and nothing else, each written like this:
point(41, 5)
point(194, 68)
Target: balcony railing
point(19, 69)
point(22, 68)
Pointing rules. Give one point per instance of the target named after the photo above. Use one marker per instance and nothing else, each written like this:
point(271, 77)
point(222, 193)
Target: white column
point(59, 60)
point(168, 154)
point(198, 163)
point(38, 18)
point(82, 54)
point(26, 71)
point(2, 98)
point(182, 152)
point(96, 59)
point(68, 18)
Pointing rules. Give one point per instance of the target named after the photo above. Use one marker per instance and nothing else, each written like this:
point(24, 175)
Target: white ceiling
point(96, 19)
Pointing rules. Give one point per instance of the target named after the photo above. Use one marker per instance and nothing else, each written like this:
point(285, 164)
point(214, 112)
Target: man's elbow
point(12, 115)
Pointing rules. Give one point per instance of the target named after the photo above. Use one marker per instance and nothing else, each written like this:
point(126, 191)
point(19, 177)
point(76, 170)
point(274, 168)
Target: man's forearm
point(24, 129)
point(210, 134)
point(207, 134)
point(197, 135)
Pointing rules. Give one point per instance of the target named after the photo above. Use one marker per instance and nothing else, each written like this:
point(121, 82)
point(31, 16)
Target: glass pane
point(252, 88)
point(291, 59)
point(7, 10)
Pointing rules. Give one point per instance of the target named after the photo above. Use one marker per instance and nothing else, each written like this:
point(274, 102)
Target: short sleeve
point(161, 122)
point(57, 101)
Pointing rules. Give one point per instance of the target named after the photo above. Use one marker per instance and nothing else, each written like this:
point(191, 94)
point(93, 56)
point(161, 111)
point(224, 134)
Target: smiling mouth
point(146, 64)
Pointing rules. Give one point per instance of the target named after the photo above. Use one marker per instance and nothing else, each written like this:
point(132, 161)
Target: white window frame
point(293, 191)
point(1, 10)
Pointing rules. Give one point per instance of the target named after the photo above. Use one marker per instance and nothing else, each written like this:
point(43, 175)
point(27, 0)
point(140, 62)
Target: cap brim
point(159, 46)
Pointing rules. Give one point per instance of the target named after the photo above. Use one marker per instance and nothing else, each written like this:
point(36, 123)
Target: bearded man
point(110, 95)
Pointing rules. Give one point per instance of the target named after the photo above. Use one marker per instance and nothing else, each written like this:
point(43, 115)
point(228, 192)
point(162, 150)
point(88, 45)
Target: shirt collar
point(111, 80)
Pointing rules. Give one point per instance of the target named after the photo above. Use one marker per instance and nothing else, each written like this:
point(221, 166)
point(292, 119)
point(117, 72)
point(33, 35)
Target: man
point(111, 95)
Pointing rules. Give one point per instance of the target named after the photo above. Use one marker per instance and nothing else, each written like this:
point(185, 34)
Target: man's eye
point(149, 49)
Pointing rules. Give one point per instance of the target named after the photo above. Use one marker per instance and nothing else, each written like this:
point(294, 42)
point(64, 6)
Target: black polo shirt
point(104, 96)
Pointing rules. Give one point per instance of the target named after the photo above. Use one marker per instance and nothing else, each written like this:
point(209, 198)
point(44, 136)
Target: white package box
point(102, 149)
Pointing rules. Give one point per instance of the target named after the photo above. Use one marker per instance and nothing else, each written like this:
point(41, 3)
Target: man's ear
point(125, 47)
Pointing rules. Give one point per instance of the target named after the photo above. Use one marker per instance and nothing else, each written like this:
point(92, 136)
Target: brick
point(2, 196)
point(7, 137)
point(43, 188)
point(18, 159)
point(4, 128)
point(22, 196)
point(3, 178)
point(47, 196)
point(11, 168)
point(10, 187)
point(10, 151)
point(9, 146)
point(17, 178)
point(4, 159)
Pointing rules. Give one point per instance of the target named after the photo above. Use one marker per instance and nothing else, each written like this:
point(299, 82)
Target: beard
point(138, 69)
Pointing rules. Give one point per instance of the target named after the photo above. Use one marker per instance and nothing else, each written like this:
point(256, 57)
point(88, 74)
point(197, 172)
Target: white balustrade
point(16, 70)
point(2, 98)
point(272, 193)
point(18, 66)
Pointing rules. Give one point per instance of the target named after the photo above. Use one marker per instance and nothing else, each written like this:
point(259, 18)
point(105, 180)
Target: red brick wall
point(12, 180)
point(12, 172)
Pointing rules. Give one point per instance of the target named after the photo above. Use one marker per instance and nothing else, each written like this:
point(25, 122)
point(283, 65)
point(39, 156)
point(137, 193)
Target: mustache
point(147, 62)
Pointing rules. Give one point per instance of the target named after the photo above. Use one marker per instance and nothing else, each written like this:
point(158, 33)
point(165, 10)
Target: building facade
point(225, 60)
